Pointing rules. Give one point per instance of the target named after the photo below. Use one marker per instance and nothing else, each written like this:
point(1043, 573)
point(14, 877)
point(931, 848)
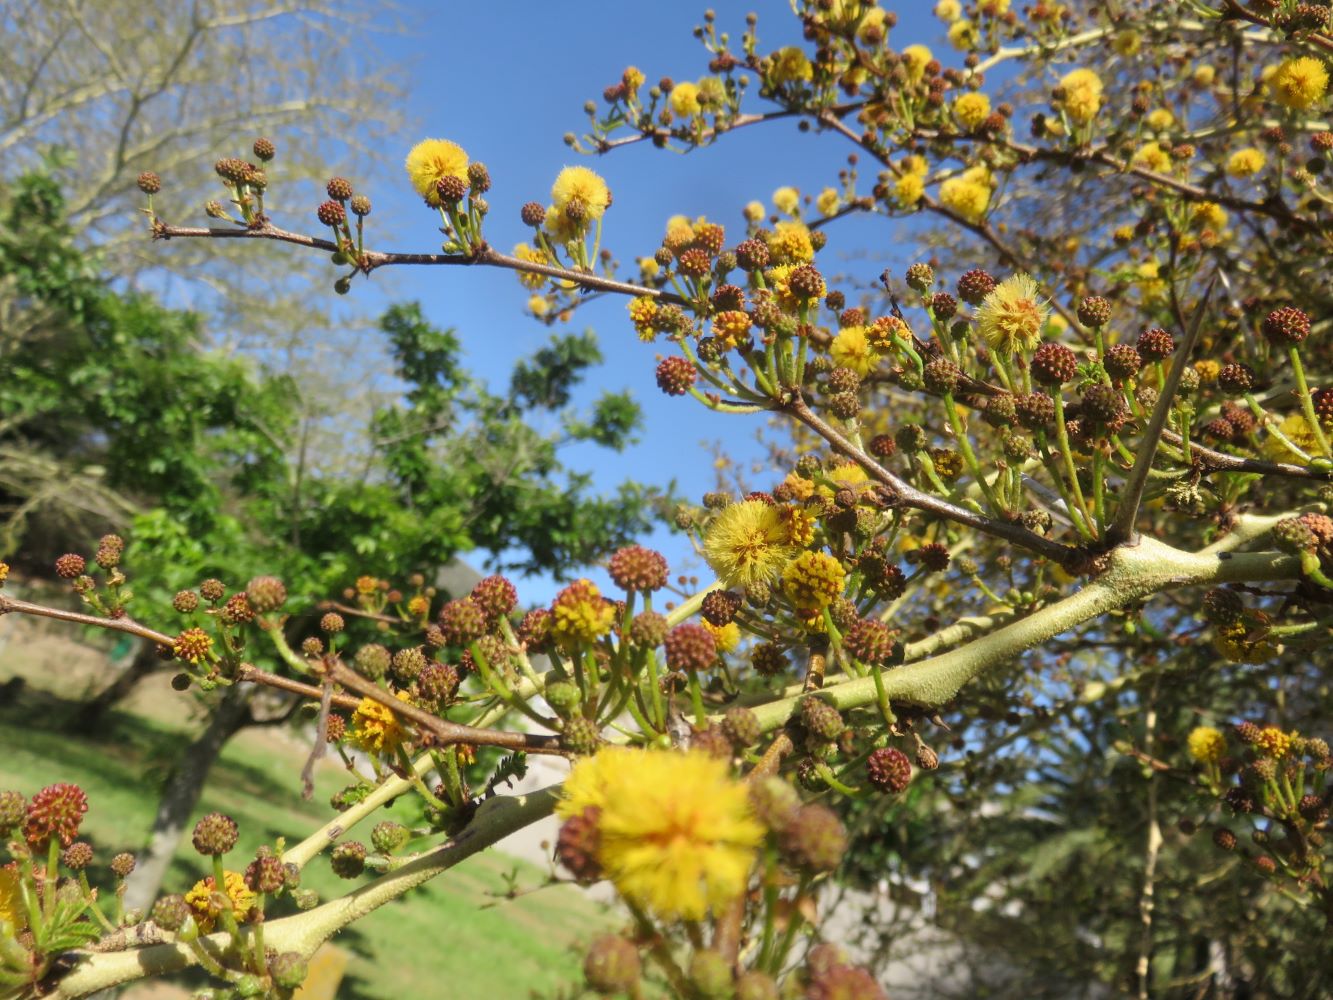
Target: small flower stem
point(697, 699)
point(1062, 438)
point(1307, 404)
point(969, 456)
point(92, 902)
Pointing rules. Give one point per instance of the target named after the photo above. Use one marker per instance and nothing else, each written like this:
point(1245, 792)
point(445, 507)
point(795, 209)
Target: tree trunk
point(91, 716)
point(181, 795)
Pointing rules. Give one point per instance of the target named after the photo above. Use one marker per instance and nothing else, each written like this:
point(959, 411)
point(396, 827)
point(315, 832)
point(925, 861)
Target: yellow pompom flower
point(791, 65)
point(851, 349)
point(642, 312)
point(968, 198)
point(1160, 119)
point(747, 543)
point(560, 227)
point(712, 92)
point(539, 305)
point(789, 243)
point(829, 199)
point(845, 476)
point(1206, 745)
point(813, 580)
point(948, 10)
point(1246, 162)
point(632, 78)
point(908, 190)
point(1152, 156)
point(882, 332)
point(1127, 42)
point(685, 99)
point(786, 200)
point(535, 256)
point(800, 488)
point(1273, 742)
point(579, 613)
point(870, 30)
point(1210, 214)
point(206, 910)
point(1204, 75)
point(972, 109)
point(431, 160)
point(779, 280)
point(649, 268)
point(726, 637)
point(963, 35)
point(1082, 89)
point(375, 728)
point(1300, 83)
point(585, 185)
point(754, 211)
point(915, 60)
point(732, 327)
point(1208, 369)
point(1012, 315)
point(676, 834)
point(1296, 429)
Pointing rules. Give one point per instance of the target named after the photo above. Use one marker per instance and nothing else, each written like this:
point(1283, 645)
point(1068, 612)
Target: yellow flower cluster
point(1273, 742)
point(968, 195)
point(791, 65)
point(813, 580)
point(748, 543)
point(534, 256)
point(732, 327)
point(790, 243)
point(375, 728)
point(851, 349)
point(779, 280)
point(948, 10)
point(1082, 90)
point(829, 201)
point(915, 60)
point(963, 35)
point(1246, 162)
point(676, 834)
point(207, 910)
point(1151, 156)
point(786, 200)
point(642, 312)
point(1206, 745)
point(431, 160)
point(12, 910)
point(972, 109)
point(1012, 316)
point(727, 637)
point(580, 614)
point(1300, 83)
point(685, 99)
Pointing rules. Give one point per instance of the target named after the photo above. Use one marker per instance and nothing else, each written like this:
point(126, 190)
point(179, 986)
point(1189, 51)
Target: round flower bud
point(1093, 310)
point(77, 856)
point(690, 647)
point(710, 975)
point(889, 770)
point(388, 836)
point(437, 684)
point(742, 727)
point(636, 569)
point(332, 622)
point(339, 188)
point(54, 813)
point(372, 661)
point(814, 839)
point(265, 874)
point(870, 641)
point(331, 213)
point(752, 255)
point(348, 859)
point(265, 594)
point(974, 286)
point(581, 735)
point(149, 182)
point(408, 664)
point(1122, 362)
point(563, 697)
point(1156, 344)
point(920, 277)
point(612, 965)
point(1054, 364)
point(719, 607)
point(215, 835)
point(450, 189)
point(70, 565)
point(1103, 404)
point(237, 610)
point(675, 376)
point(185, 601)
point(1035, 410)
point(944, 306)
point(170, 912)
point(577, 845)
point(462, 621)
point(1235, 379)
point(212, 590)
point(122, 865)
point(821, 718)
point(805, 282)
point(941, 376)
point(769, 659)
point(648, 629)
point(478, 177)
point(264, 149)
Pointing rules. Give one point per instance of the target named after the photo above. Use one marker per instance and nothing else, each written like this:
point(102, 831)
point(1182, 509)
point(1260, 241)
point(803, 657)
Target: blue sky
point(507, 80)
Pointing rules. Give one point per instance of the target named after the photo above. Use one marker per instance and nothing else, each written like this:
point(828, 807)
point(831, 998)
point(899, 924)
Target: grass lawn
point(456, 936)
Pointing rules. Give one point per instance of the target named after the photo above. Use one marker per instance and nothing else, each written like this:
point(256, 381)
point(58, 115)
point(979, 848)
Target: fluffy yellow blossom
point(1273, 742)
point(829, 199)
point(633, 78)
point(799, 487)
point(845, 476)
point(948, 10)
point(582, 184)
point(207, 910)
point(1160, 119)
point(786, 200)
point(790, 243)
point(1296, 429)
point(642, 312)
point(972, 109)
point(1206, 745)
point(747, 543)
point(882, 332)
point(754, 211)
point(1208, 369)
point(560, 227)
point(433, 159)
point(1127, 42)
point(4, 573)
point(649, 267)
point(539, 305)
point(375, 728)
point(685, 99)
point(1152, 156)
point(675, 831)
point(1300, 83)
point(1210, 214)
point(813, 580)
point(779, 281)
point(851, 349)
point(1012, 316)
point(995, 8)
point(915, 60)
point(791, 65)
point(963, 35)
point(1204, 75)
point(1149, 280)
point(536, 256)
point(968, 198)
point(908, 190)
point(732, 327)
point(871, 30)
point(712, 92)
point(726, 637)
point(1237, 644)
point(1246, 162)
point(1082, 89)
point(579, 613)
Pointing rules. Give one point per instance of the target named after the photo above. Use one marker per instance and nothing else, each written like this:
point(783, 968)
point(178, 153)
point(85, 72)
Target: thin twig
point(1122, 528)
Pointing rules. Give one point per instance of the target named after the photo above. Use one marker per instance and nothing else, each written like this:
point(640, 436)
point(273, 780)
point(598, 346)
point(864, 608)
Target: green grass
point(457, 933)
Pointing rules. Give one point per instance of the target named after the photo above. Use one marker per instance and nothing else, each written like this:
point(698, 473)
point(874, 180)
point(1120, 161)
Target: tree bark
point(182, 794)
